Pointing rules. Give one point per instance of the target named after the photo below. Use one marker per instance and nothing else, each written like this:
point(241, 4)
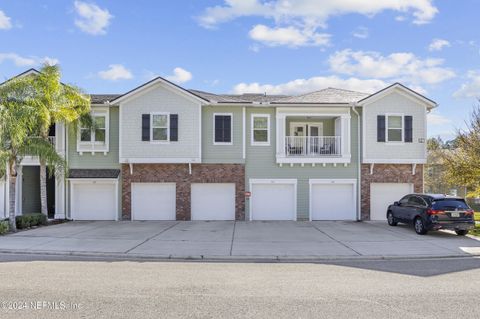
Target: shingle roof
point(93, 173)
point(102, 98)
point(325, 96)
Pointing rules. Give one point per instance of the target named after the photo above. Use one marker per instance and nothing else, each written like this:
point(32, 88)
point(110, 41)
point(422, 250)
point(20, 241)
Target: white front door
point(213, 201)
point(332, 200)
point(273, 200)
point(153, 201)
point(94, 200)
point(384, 194)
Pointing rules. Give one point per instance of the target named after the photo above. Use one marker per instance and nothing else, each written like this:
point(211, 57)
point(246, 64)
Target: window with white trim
point(160, 127)
point(95, 138)
point(394, 128)
point(260, 129)
point(222, 128)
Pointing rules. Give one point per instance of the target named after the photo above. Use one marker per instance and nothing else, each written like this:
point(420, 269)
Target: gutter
point(359, 164)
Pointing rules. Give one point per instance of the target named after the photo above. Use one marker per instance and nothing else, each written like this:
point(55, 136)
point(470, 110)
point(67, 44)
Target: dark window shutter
point(223, 125)
point(145, 127)
point(227, 125)
point(174, 127)
point(381, 128)
point(218, 128)
point(408, 128)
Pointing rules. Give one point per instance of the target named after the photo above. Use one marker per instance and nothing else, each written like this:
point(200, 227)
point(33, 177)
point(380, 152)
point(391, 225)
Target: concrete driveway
point(239, 240)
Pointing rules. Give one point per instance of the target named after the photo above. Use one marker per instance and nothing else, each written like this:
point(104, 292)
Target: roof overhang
point(401, 88)
point(152, 83)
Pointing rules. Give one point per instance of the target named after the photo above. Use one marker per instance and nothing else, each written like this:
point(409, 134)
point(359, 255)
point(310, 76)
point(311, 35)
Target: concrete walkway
point(239, 240)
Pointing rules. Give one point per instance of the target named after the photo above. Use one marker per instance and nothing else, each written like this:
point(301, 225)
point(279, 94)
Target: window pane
point(260, 122)
point(160, 134)
point(260, 136)
point(100, 121)
point(394, 135)
point(100, 135)
point(85, 135)
point(160, 120)
point(394, 122)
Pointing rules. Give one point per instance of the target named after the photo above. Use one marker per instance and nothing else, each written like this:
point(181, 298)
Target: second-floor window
point(97, 134)
point(260, 129)
point(159, 127)
point(222, 128)
point(395, 128)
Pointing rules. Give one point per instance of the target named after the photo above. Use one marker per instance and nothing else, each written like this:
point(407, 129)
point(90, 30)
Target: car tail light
point(469, 212)
point(435, 212)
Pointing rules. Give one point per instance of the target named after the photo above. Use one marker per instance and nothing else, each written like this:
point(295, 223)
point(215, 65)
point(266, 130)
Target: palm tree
point(54, 102)
point(17, 122)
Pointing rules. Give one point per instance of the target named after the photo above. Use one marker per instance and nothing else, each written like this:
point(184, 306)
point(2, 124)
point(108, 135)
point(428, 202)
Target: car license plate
point(455, 214)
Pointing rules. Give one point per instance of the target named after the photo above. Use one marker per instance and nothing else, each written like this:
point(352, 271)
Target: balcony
point(313, 146)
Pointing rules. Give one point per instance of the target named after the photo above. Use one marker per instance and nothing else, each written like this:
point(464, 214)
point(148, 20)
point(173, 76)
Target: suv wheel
point(419, 226)
point(461, 232)
point(391, 220)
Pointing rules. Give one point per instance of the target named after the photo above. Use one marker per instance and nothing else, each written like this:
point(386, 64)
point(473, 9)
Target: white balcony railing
point(313, 146)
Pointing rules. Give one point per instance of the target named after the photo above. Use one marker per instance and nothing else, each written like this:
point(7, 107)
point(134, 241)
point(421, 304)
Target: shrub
point(3, 227)
point(29, 220)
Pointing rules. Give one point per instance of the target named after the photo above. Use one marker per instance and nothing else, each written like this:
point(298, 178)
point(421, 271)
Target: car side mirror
point(396, 204)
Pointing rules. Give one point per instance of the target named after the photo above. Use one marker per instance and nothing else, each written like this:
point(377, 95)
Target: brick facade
point(388, 173)
point(179, 174)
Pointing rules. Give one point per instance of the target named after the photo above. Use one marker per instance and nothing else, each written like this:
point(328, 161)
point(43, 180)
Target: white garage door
point(333, 200)
point(153, 201)
point(384, 194)
point(94, 201)
point(272, 200)
point(213, 201)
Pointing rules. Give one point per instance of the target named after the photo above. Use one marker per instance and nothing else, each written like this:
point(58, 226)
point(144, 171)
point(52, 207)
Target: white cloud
point(91, 18)
point(288, 36)
point(437, 119)
point(301, 86)
point(22, 61)
point(361, 33)
point(116, 72)
point(179, 76)
point(470, 88)
point(438, 44)
point(314, 12)
point(5, 23)
point(400, 66)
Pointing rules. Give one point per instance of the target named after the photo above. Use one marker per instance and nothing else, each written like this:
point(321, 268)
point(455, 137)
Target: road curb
point(246, 259)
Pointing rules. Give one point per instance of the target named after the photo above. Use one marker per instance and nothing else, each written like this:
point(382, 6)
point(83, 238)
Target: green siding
point(261, 163)
point(221, 153)
point(31, 190)
point(328, 124)
point(98, 160)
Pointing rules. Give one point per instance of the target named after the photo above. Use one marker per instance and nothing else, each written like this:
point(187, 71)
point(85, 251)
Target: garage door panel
point(333, 201)
point(384, 194)
point(213, 201)
point(94, 201)
point(273, 201)
point(153, 201)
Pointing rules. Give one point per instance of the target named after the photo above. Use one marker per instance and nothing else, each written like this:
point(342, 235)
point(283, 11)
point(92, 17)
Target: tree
point(55, 102)
point(17, 122)
point(462, 165)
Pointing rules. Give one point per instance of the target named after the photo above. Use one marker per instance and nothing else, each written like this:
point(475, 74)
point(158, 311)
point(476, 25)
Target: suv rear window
point(446, 204)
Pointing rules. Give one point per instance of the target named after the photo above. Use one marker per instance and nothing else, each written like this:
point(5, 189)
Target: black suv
point(432, 212)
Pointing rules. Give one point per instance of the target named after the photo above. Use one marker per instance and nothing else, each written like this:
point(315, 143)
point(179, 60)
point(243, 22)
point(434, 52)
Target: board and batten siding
point(231, 154)
point(261, 164)
point(95, 160)
point(160, 99)
point(395, 103)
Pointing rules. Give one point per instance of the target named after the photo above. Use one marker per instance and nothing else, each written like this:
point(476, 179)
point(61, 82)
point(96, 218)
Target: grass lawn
point(476, 231)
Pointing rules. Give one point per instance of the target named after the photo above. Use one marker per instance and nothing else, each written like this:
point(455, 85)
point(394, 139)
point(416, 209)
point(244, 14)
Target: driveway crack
point(233, 237)
point(336, 240)
point(149, 238)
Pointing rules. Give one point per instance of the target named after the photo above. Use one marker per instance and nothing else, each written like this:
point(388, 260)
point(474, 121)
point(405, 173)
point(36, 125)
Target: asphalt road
point(102, 288)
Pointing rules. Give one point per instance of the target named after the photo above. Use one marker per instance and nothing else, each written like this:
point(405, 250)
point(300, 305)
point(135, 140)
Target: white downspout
point(359, 165)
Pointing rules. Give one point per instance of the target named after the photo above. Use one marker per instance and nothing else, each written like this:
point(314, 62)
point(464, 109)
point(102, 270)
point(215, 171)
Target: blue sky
point(235, 46)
